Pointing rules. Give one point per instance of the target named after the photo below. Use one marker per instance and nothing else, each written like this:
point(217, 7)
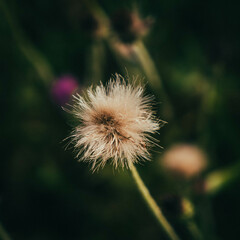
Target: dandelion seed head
point(115, 124)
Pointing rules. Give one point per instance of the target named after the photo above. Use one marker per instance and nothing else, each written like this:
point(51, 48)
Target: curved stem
point(3, 234)
point(147, 64)
point(36, 59)
point(96, 61)
point(193, 228)
point(153, 205)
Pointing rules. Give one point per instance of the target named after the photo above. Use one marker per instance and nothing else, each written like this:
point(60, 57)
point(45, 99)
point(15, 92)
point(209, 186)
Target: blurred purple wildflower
point(63, 88)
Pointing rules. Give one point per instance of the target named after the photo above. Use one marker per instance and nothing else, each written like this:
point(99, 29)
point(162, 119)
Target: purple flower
point(63, 88)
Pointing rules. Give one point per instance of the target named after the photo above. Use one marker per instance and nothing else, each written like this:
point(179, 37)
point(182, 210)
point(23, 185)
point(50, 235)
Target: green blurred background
point(44, 192)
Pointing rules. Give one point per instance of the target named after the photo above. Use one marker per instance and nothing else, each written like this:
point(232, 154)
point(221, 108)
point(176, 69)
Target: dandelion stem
point(153, 205)
point(3, 234)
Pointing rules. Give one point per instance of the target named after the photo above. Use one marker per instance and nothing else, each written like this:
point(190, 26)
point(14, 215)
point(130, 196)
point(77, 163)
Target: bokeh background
point(194, 47)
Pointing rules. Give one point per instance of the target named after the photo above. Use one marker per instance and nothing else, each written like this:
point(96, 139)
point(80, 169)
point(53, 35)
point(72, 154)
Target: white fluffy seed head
point(115, 124)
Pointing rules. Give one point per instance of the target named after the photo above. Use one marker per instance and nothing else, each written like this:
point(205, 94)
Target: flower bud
point(129, 26)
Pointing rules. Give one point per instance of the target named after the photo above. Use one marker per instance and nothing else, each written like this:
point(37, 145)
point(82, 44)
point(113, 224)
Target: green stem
point(193, 229)
point(188, 212)
point(147, 64)
point(96, 61)
point(3, 234)
point(37, 60)
point(153, 205)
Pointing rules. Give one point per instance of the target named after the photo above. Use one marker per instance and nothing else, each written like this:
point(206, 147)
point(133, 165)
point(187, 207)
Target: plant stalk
point(153, 205)
point(36, 59)
point(3, 234)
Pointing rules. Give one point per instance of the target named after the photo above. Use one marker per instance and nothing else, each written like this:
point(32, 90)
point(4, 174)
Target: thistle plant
point(115, 124)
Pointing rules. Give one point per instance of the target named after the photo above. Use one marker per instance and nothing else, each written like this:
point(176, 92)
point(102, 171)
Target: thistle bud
point(129, 26)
